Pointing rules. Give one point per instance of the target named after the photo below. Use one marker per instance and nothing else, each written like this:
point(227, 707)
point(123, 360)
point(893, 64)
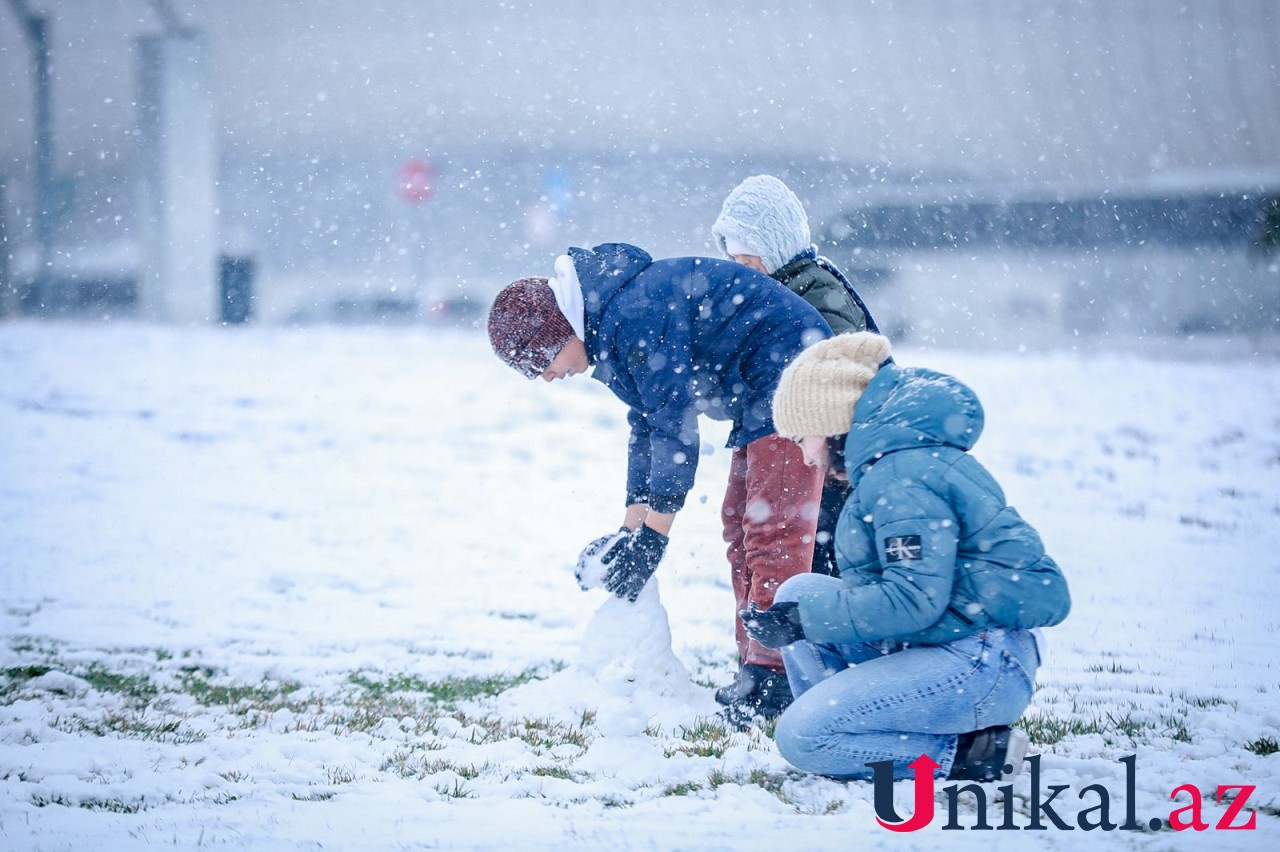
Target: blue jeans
point(871, 701)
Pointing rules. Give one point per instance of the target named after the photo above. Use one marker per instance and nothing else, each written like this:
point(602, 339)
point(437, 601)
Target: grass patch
point(137, 689)
point(1129, 725)
point(422, 767)
point(611, 801)
point(547, 734)
point(456, 790)
point(335, 775)
point(706, 738)
point(132, 725)
point(1204, 702)
point(686, 788)
point(448, 693)
point(1045, 729)
point(552, 772)
point(200, 684)
point(22, 674)
point(772, 782)
point(414, 730)
point(1177, 729)
point(1263, 746)
point(114, 806)
point(1114, 667)
point(13, 679)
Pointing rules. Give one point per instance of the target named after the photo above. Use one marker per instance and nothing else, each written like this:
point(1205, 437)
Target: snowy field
point(293, 589)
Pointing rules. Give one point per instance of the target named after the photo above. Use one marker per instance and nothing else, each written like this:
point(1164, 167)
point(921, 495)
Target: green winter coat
point(804, 277)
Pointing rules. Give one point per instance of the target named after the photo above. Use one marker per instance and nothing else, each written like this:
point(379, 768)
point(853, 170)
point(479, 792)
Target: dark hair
point(835, 449)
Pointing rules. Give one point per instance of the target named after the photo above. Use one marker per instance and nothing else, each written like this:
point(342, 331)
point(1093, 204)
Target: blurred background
point(999, 173)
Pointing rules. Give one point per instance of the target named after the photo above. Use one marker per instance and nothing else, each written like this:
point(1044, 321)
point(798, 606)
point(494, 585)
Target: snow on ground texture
point(281, 589)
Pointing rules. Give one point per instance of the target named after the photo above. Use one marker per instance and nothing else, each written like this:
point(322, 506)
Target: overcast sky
point(1090, 90)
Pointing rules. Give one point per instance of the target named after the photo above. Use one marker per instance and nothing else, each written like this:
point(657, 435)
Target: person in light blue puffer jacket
point(924, 644)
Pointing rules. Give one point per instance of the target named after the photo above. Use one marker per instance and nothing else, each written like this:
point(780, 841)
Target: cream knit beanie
point(818, 390)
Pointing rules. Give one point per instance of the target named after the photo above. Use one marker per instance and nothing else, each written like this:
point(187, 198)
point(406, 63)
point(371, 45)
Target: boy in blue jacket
point(673, 339)
point(923, 646)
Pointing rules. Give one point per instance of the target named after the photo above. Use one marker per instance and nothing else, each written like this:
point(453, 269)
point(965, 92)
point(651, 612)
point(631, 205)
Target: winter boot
point(992, 754)
point(756, 691)
point(726, 694)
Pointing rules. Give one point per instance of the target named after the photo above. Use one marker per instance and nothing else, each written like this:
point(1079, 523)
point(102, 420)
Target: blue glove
point(773, 627)
point(631, 562)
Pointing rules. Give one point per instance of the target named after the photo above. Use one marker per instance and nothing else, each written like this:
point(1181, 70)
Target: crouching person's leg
point(808, 663)
point(863, 715)
point(908, 703)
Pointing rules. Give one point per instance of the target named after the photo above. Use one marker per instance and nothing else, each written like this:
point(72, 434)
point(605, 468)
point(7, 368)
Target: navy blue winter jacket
point(685, 336)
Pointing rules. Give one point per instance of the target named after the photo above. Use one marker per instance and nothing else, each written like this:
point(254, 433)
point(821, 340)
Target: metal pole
point(169, 19)
point(6, 290)
point(36, 29)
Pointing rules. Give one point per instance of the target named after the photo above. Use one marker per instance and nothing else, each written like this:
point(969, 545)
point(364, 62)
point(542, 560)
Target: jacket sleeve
point(828, 296)
point(663, 456)
point(914, 538)
point(638, 456)
point(836, 307)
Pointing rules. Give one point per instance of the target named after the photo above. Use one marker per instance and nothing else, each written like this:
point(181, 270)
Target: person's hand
point(590, 569)
point(773, 627)
point(631, 561)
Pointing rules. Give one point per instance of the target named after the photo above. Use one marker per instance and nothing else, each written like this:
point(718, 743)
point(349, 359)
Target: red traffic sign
point(416, 181)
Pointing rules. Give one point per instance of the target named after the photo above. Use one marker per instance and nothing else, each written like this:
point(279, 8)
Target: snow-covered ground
point(276, 588)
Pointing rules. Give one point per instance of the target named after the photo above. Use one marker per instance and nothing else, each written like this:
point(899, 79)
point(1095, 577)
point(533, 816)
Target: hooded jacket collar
point(909, 408)
point(602, 272)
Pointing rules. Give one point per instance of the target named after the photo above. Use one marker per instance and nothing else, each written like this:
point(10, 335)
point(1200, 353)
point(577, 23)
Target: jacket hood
point(605, 268)
point(602, 272)
point(907, 408)
point(763, 214)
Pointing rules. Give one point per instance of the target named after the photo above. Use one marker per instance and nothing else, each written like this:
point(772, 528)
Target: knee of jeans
point(802, 729)
point(792, 741)
point(805, 584)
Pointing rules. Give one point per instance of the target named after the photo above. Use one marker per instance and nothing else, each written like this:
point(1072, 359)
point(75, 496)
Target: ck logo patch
point(903, 548)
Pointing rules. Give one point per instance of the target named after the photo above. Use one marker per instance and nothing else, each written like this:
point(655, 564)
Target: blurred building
point(917, 133)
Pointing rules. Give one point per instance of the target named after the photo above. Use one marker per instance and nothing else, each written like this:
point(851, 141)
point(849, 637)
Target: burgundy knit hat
point(526, 327)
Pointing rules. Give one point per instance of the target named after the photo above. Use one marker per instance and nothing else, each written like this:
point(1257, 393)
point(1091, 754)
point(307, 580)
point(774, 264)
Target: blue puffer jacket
point(927, 548)
point(681, 337)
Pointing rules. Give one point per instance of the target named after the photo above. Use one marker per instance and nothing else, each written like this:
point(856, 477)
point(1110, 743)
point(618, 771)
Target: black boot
point(992, 754)
point(755, 692)
point(729, 693)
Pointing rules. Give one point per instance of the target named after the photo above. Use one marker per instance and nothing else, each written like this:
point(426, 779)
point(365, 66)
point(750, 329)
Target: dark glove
point(588, 570)
point(632, 561)
point(774, 627)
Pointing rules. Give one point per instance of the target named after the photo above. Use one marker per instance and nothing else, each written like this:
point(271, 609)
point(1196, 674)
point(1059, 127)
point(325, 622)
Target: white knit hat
point(763, 215)
point(818, 390)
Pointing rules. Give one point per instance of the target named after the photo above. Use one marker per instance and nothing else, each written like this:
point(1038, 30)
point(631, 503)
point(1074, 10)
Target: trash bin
point(236, 277)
